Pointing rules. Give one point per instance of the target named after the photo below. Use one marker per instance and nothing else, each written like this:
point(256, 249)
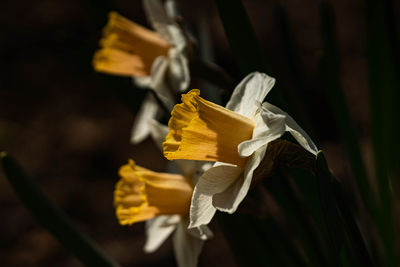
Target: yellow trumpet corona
point(142, 194)
point(202, 130)
point(128, 49)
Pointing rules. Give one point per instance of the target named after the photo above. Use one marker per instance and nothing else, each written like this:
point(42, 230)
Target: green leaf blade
point(244, 43)
point(50, 217)
point(329, 66)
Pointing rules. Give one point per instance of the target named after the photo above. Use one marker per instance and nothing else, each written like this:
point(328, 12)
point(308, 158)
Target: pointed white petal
point(159, 83)
point(268, 127)
point(158, 71)
point(158, 18)
point(178, 40)
point(178, 71)
point(142, 81)
point(247, 148)
point(141, 128)
point(201, 209)
point(291, 126)
point(176, 68)
point(163, 23)
point(187, 248)
point(171, 8)
point(158, 230)
point(250, 91)
point(229, 200)
point(214, 180)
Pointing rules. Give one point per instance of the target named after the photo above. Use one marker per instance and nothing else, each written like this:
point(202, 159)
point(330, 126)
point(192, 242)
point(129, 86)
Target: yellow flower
point(163, 200)
point(235, 137)
point(128, 49)
point(142, 194)
point(155, 60)
point(202, 130)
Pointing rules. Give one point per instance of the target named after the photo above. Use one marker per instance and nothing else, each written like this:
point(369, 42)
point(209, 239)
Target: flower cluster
point(216, 148)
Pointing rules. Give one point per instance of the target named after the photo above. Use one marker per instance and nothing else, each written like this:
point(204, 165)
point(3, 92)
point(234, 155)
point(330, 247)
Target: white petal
point(158, 132)
point(177, 39)
point(291, 126)
point(229, 200)
point(187, 248)
point(158, 230)
point(177, 63)
point(158, 18)
point(247, 148)
point(142, 81)
point(250, 91)
point(157, 81)
point(214, 180)
point(268, 127)
point(171, 8)
point(201, 210)
point(141, 128)
point(164, 24)
point(178, 71)
point(158, 72)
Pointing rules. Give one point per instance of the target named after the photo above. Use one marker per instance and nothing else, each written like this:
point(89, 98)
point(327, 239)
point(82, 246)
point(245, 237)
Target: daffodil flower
point(154, 60)
point(235, 137)
point(163, 200)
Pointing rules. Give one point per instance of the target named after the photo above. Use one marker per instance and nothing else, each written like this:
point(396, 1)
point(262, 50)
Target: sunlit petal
point(213, 181)
point(158, 230)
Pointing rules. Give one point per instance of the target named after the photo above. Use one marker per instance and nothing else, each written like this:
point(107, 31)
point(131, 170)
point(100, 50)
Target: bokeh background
point(70, 127)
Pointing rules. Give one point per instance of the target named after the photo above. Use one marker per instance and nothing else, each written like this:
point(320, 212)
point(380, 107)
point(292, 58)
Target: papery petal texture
point(187, 247)
point(158, 230)
point(291, 126)
point(179, 75)
point(249, 93)
point(268, 127)
point(157, 81)
point(235, 137)
point(215, 180)
point(158, 18)
point(229, 200)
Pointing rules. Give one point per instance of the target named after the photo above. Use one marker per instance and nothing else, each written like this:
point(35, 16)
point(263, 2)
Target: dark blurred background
point(70, 127)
